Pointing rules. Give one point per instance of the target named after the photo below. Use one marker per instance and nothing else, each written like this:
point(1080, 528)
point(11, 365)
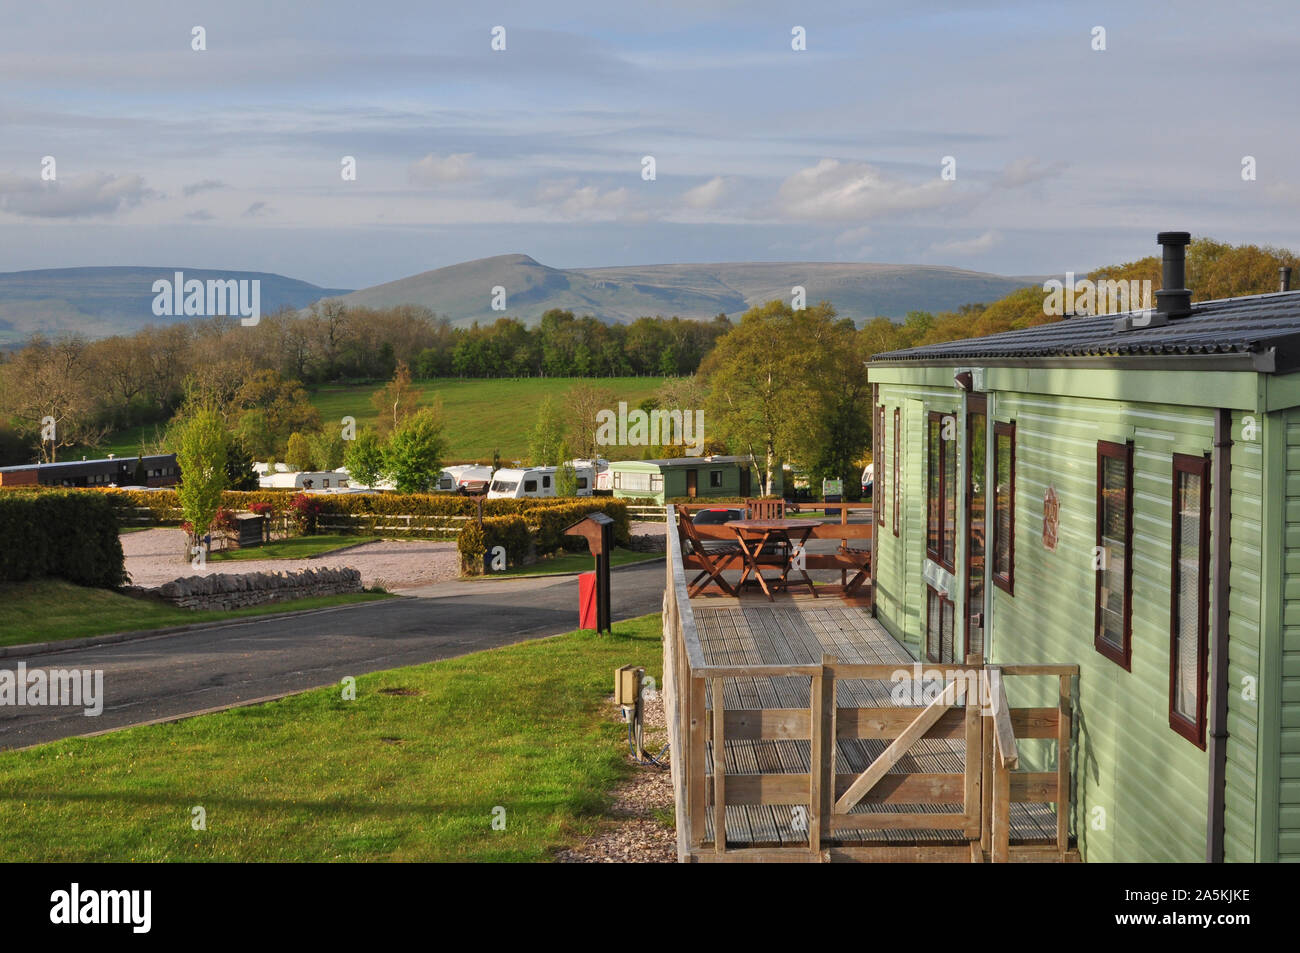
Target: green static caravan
point(698, 477)
point(1121, 492)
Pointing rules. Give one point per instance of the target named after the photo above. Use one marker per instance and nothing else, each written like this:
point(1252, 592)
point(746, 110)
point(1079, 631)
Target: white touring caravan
point(465, 478)
point(285, 479)
point(536, 482)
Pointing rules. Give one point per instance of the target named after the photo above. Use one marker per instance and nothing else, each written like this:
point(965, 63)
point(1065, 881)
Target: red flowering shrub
point(304, 510)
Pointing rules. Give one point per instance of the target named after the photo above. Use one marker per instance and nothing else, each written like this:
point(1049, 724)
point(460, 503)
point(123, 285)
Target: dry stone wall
point(238, 590)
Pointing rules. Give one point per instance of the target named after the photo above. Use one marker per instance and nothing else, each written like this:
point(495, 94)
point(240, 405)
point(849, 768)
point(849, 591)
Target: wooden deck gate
point(969, 709)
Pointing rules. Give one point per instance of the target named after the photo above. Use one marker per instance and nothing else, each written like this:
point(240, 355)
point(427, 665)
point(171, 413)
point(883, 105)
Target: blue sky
point(1066, 157)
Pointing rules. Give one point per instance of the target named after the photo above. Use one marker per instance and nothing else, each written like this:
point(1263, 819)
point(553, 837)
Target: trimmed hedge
point(475, 541)
point(543, 531)
point(70, 535)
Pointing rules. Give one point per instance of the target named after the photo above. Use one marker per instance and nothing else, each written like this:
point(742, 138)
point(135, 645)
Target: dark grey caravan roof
point(1259, 332)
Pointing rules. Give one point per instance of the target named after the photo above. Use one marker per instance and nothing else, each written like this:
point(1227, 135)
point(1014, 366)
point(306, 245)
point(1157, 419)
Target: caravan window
point(504, 486)
point(941, 491)
point(582, 483)
point(1004, 506)
point(530, 486)
point(1113, 560)
point(546, 483)
point(898, 457)
point(1189, 618)
point(715, 478)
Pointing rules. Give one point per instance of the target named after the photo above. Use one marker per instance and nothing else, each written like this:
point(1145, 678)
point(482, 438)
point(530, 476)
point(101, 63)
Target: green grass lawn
point(573, 562)
point(410, 770)
point(49, 610)
point(295, 547)
point(482, 415)
point(126, 443)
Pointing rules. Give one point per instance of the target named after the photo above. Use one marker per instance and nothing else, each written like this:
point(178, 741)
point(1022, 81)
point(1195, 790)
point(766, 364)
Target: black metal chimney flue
point(1174, 299)
point(1284, 278)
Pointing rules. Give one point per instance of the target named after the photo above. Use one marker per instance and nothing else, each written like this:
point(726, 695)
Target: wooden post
point(1001, 811)
point(719, 771)
point(986, 773)
point(974, 756)
point(821, 762)
point(816, 755)
point(695, 779)
point(1063, 716)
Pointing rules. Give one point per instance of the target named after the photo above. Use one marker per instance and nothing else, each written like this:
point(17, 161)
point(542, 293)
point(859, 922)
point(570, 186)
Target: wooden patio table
point(759, 532)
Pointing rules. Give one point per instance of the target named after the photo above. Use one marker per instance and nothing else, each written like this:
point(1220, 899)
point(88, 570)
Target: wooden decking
point(801, 631)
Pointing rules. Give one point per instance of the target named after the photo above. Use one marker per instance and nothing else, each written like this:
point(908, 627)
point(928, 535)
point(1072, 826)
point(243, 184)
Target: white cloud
point(1029, 169)
point(707, 195)
point(78, 196)
point(207, 185)
point(256, 209)
point(833, 190)
point(435, 169)
point(584, 202)
point(967, 246)
point(853, 236)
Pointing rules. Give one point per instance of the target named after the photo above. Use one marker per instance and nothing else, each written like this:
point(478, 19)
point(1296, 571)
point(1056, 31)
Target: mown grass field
point(295, 547)
point(412, 769)
point(50, 610)
point(482, 415)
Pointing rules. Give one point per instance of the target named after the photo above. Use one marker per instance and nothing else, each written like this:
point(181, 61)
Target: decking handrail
point(677, 582)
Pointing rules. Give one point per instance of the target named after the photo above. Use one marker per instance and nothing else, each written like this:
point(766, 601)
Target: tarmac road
point(233, 663)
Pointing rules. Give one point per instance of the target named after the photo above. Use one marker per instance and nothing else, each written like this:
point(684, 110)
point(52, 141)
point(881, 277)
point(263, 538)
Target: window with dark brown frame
point(1113, 558)
point(878, 468)
point(1004, 506)
point(939, 626)
point(898, 458)
point(1190, 601)
point(941, 490)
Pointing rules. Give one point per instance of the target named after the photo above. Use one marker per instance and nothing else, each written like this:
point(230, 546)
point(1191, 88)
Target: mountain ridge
point(697, 290)
point(99, 301)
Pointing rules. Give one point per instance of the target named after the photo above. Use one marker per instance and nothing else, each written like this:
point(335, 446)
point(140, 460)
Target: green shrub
point(475, 541)
point(70, 535)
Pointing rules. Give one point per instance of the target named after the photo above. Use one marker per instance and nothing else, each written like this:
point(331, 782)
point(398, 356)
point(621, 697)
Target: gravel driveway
point(153, 557)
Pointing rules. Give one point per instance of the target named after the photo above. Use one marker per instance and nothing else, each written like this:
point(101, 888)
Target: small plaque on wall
point(1051, 518)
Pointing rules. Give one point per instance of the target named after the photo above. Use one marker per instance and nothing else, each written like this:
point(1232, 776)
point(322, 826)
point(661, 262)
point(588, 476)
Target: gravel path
point(631, 833)
point(154, 557)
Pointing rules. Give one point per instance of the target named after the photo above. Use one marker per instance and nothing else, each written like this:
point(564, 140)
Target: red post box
point(587, 601)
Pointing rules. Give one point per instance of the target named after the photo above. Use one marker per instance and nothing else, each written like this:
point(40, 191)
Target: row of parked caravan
point(513, 483)
point(506, 483)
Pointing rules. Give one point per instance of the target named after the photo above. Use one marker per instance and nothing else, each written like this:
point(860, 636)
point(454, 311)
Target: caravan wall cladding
point(1131, 765)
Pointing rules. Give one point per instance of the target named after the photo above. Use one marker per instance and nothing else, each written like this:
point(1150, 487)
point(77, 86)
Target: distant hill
point(99, 302)
point(463, 292)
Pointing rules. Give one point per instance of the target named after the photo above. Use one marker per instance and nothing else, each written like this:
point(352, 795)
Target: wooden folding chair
point(863, 574)
point(709, 562)
point(765, 509)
